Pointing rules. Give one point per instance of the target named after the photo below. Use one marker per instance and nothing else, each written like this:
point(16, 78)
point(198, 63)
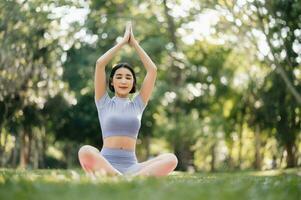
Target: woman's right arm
point(100, 75)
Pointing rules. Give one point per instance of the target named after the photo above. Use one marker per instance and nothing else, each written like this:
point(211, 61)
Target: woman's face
point(123, 81)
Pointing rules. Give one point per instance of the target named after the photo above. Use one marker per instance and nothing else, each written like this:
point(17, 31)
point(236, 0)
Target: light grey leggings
point(125, 161)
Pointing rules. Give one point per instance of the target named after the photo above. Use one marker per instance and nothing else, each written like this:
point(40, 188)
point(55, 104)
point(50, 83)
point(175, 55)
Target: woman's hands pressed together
point(127, 34)
point(132, 40)
point(128, 37)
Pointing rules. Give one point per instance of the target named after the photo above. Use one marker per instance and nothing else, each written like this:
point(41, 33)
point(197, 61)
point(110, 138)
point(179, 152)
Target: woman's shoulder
point(103, 100)
point(138, 101)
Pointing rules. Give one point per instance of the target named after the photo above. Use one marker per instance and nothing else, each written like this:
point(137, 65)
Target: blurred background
point(227, 97)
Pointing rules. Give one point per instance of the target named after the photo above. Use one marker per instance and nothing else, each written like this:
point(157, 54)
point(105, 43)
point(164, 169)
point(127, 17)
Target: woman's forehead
point(123, 71)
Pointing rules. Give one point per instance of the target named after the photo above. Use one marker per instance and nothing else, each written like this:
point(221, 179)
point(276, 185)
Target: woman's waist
point(119, 142)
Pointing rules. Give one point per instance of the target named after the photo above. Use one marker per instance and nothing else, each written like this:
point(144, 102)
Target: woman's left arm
point(151, 70)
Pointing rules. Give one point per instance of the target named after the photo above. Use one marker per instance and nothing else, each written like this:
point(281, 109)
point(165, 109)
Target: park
point(210, 110)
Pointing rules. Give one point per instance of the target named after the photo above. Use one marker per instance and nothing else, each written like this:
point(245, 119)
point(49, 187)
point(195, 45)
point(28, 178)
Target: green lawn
point(73, 185)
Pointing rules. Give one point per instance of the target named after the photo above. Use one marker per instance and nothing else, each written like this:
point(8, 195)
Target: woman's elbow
point(99, 63)
point(154, 68)
point(153, 72)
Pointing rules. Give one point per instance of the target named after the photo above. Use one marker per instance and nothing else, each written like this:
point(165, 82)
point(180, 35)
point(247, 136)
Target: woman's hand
point(127, 33)
point(132, 41)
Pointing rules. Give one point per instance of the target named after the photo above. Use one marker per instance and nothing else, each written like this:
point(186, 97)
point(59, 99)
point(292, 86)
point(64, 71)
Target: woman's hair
point(113, 71)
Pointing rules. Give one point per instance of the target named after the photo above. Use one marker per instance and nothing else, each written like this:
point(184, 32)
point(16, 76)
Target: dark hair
point(115, 68)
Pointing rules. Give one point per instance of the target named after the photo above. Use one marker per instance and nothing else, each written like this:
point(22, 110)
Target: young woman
point(120, 118)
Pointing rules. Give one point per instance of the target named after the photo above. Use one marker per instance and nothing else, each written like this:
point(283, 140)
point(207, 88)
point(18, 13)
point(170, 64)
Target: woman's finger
point(128, 27)
point(129, 24)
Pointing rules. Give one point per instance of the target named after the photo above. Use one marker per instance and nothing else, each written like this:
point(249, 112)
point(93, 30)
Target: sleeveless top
point(120, 116)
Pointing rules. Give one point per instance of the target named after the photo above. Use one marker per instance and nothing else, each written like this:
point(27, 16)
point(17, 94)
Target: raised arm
point(100, 75)
point(151, 70)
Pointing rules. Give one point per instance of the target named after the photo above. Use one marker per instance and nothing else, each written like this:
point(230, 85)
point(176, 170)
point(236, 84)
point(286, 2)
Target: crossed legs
point(93, 163)
point(161, 165)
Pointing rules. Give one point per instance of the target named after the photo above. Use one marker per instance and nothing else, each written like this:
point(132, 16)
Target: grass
point(74, 185)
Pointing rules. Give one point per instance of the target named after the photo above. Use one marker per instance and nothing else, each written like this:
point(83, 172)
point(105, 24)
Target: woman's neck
point(121, 96)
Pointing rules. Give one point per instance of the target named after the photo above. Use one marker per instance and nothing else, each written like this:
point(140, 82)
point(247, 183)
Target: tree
point(31, 66)
point(273, 25)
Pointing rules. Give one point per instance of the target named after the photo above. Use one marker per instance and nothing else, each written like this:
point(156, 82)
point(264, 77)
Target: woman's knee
point(173, 159)
point(170, 158)
point(87, 150)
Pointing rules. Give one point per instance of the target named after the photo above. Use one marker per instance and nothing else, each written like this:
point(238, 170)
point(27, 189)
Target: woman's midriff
point(120, 142)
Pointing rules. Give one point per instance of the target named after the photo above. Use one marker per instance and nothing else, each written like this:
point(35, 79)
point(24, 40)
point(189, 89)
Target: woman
point(120, 118)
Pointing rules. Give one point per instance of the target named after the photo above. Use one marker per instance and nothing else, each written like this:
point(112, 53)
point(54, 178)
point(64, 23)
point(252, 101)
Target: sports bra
point(120, 116)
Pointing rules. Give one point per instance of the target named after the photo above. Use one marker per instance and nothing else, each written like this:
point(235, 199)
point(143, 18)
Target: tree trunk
point(281, 158)
point(213, 157)
point(230, 160)
point(44, 149)
point(257, 162)
point(36, 152)
point(15, 154)
point(24, 150)
point(274, 162)
point(240, 146)
point(185, 157)
point(29, 146)
point(68, 154)
point(290, 159)
point(2, 126)
point(2, 149)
